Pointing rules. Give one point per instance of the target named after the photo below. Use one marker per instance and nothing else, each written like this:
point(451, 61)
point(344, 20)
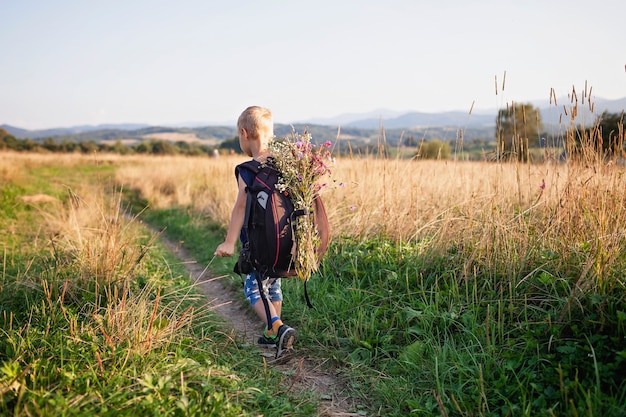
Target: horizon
point(72, 64)
point(328, 121)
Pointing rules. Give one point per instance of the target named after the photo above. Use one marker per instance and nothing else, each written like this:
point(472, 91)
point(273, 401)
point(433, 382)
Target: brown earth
point(302, 373)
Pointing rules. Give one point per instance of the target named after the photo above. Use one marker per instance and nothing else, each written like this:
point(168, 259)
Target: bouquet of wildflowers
point(302, 166)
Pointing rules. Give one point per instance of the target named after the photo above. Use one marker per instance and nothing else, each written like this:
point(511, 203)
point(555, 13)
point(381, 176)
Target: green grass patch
point(106, 322)
point(424, 340)
point(197, 233)
point(417, 337)
point(118, 330)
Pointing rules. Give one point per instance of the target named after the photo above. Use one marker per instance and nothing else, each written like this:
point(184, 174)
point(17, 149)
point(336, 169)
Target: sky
point(75, 62)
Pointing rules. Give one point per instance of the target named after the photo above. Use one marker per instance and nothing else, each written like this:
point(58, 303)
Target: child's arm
point(227, 248)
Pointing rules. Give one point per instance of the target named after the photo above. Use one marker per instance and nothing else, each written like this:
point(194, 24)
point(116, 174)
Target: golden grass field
point(481, 207)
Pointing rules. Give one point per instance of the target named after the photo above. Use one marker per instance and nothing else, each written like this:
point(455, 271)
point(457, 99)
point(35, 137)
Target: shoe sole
point(286, 341)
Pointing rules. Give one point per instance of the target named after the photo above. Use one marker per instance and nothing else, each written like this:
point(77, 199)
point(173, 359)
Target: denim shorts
point(271, 287)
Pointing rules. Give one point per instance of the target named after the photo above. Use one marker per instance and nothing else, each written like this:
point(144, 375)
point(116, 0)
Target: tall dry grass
point(205, 184)
point(403, 199)
point(11, 161)
point(90, 254)
point(500, 214)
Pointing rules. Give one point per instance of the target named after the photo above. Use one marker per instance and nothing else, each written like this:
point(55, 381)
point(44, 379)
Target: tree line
point(150, 147)
point(434, 149)
point(518, 129)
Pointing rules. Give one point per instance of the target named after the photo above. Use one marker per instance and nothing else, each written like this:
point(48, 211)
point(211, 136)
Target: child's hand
point(224, 250)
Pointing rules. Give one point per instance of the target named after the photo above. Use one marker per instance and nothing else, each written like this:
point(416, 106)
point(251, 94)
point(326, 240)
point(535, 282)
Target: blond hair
point(258, 123)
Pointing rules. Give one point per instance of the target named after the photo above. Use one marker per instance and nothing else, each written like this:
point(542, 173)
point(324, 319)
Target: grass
point(462, 346)
point(97, 318)
point(503, 338)
point(414, 338)
point(478, 288)
point(450, 288)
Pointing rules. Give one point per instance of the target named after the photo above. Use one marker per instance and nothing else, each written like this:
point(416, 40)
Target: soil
point(302, 373)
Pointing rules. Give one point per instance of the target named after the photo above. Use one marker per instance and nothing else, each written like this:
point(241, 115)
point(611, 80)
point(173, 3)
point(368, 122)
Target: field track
point(303, 372)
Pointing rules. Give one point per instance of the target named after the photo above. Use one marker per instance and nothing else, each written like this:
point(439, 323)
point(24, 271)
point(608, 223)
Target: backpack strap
point(246, 218)
point(266, 303)
point(306, 297)
point(248, 171)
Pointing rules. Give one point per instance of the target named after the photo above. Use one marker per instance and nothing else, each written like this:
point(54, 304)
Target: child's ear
point(244, 133)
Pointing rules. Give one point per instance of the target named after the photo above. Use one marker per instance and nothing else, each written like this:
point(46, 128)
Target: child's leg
point(272, 292)
point(285, 335)
point(275, 309)
point(259, 309)
point(278, 306)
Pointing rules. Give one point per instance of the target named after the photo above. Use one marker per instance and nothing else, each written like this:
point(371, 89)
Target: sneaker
point(286, 338)
point(266, 341)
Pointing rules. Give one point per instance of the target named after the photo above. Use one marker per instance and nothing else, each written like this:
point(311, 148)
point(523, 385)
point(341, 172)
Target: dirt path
point(303, 373)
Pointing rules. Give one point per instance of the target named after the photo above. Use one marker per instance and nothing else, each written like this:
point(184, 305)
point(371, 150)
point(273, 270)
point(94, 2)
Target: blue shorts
point(271, 288)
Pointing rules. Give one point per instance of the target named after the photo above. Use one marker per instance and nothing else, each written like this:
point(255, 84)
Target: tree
point(518, 127)
point(120, 148)
point(410, 141)
point(50, 145)
point(434, 149)
point(88, 147)
point(68, 145)
point(162, 147)
point(7, 141)
point(231, 144)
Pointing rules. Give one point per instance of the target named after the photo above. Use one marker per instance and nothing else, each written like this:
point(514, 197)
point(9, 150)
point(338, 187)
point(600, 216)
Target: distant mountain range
point(363, 127)
point(550, 114)
point(67, 131)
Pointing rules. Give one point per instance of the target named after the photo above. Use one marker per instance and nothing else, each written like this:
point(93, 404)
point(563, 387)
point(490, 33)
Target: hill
point(550, 114)
point(382, 125)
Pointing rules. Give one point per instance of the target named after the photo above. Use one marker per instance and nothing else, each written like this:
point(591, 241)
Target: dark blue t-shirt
point(246, 175)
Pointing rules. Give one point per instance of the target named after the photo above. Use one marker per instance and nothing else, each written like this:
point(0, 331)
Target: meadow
point(450, 288)
point(457, 288)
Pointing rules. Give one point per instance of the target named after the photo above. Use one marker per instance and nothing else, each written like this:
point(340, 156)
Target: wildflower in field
point(302, 165)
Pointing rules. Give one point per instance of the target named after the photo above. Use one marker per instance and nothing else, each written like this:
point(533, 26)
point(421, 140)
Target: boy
point(255, 129)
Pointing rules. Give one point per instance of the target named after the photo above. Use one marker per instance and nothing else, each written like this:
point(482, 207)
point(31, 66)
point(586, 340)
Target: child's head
point(257, 122)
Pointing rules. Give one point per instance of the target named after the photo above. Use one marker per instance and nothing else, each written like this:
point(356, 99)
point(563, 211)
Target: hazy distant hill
point(16, 131)
point(68, 131)
point(213, 134)
point(347, 118)
point(550, 115)
point(418, 119)
point(379, 125)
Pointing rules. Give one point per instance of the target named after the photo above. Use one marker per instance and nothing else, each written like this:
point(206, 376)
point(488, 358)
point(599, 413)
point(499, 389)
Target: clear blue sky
point(77, 62)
